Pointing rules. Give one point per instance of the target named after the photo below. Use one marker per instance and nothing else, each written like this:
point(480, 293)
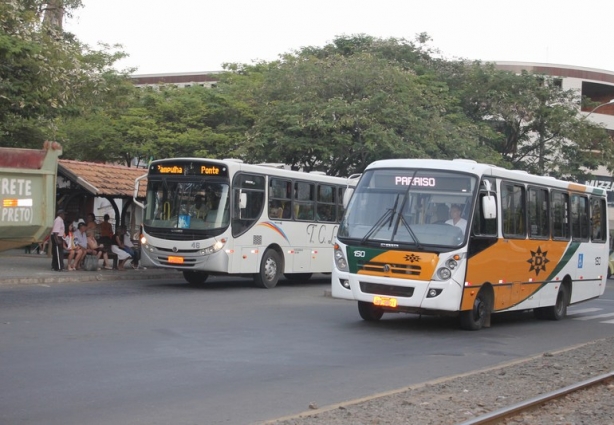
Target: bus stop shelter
point(79, 183)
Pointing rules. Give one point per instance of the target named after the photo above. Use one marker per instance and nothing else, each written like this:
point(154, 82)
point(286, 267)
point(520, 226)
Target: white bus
point(223, 217)
point(520, 242)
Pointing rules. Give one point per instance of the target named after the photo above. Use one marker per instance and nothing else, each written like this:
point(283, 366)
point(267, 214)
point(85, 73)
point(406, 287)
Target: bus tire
point(195, 278)
point(270, 270)
point(298, 277)
point(369, 312)
point(476, 318)
point(559, 310)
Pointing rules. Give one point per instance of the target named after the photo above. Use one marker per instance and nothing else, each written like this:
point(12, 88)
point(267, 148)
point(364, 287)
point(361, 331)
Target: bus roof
point(264, 168)
point(479, 169)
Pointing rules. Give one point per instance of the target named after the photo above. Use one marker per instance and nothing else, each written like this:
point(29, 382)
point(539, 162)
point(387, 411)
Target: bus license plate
point(175, 260)
point(385, 301)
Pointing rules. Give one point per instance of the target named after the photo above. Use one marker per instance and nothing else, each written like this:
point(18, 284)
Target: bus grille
point(180, 251)
point(389, 290)
point(172, 236)
point(395, 269)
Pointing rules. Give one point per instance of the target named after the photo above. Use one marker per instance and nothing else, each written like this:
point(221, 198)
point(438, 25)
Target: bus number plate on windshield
point(175, 260)
point(385, 301)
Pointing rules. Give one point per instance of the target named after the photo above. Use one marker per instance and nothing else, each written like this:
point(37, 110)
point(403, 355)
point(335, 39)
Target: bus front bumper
point(403, 295)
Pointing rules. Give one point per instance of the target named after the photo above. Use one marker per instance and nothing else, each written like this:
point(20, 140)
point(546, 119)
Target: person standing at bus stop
point(57, 242)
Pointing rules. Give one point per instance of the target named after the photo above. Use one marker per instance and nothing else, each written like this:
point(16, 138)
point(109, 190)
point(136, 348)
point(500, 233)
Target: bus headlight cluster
point(451, 264)
point(340, 261)
point(213, 248)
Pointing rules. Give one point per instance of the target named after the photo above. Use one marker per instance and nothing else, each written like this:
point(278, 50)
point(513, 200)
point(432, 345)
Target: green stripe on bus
point(364, 256)
point(569, 253)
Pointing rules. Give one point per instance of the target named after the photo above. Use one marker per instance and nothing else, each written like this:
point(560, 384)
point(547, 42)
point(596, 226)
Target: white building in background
point(595, 84)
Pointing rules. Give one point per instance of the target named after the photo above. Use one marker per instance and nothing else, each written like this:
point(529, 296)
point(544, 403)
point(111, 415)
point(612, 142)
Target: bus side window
point(304, 200)
point(539, 223)
point(579, 217)
point(513, 210)
point(279, 198)
point(560, 214)
point(598, 216)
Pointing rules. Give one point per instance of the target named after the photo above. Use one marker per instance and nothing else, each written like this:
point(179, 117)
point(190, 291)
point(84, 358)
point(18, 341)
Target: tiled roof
point(103, 179)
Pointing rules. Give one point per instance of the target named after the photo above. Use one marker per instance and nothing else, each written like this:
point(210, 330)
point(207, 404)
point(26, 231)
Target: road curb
point(83, 277)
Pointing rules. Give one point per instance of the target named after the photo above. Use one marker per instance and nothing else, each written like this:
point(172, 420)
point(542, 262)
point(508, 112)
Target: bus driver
point(456, 219)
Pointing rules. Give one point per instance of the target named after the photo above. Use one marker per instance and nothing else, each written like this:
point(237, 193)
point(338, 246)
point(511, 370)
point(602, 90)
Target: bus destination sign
point(434, 181)
point(191, 168)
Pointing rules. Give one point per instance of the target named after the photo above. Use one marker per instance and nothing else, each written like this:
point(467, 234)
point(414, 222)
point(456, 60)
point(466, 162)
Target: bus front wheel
point(476, 318)
point(369, 312)
point(270, 270)
point(195, 278)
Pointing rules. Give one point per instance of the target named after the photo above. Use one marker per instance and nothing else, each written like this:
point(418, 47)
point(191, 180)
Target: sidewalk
point(17, 267)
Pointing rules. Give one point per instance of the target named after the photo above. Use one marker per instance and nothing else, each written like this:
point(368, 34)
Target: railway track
point(499, 416)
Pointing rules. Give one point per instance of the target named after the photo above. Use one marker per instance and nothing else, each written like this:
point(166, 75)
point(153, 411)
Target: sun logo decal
point(412, 258)
point(538, 261)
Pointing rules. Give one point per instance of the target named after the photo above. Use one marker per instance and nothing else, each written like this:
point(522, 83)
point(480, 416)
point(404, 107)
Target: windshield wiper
point(411, 232)
point(389, 213)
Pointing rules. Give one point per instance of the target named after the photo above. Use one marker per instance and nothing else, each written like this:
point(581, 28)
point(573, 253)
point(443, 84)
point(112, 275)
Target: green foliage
point(535, 123)
point(334, 108)
point(44, 73)
point(354, 102)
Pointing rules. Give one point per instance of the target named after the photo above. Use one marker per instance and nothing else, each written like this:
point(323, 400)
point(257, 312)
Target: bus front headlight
point(451, 264)
point(213, 248)
point(340, 261)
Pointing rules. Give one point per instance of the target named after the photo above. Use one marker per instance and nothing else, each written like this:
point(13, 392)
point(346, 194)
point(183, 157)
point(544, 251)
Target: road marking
point(598, 316)
point(582, 311)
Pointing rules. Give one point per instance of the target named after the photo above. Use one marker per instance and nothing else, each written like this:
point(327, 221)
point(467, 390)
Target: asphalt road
point(152, 352)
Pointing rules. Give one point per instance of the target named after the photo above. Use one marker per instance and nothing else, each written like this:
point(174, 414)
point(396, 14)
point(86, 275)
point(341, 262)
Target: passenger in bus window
point(199, 209)
point(275, 209)
point(456, 219)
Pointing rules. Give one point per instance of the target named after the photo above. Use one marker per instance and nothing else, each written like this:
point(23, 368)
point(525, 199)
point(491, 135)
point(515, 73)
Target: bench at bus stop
point(111, 255)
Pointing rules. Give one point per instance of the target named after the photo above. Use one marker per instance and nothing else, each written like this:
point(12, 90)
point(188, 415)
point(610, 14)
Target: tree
point(536, 124)
point(45, 73)
point(337, 112)
point(145, 124)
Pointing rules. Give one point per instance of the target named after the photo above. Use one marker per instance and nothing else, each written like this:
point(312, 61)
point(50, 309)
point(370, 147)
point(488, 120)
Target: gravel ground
point(461, 398)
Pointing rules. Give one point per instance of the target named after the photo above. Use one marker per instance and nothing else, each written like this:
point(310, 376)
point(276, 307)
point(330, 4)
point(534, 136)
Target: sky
point(199, 35)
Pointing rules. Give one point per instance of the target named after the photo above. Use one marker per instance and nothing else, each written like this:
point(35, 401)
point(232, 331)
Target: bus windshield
point(410, 207)
point(197, 203)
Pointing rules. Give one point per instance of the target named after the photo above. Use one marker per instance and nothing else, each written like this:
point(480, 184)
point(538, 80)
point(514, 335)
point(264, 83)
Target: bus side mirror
point(489, 207)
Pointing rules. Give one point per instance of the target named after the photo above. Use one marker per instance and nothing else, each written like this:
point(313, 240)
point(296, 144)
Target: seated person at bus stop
point(456, 219)
point(131, 249)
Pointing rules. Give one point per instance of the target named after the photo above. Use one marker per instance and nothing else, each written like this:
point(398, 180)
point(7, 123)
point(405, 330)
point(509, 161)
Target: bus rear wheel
point(195, 278)
point(270, 270)
point(559, 310)
point(475, 319)
point(369, 312)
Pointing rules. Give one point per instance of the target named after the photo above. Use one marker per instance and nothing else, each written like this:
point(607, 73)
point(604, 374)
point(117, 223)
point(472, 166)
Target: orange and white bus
point(467, 239)
point(223, 217)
